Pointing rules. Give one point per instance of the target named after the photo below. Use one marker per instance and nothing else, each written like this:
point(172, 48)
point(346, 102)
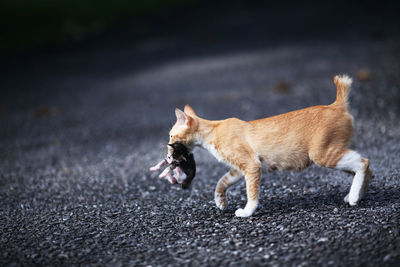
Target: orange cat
point(290, 141)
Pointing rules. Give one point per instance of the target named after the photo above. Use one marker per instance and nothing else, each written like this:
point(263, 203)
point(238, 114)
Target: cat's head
point(184, 130)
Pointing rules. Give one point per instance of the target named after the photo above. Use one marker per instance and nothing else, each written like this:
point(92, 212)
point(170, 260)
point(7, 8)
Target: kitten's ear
point(188, 110)
point(183, 119)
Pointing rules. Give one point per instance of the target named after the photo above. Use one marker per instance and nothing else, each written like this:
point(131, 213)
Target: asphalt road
point(81, 126)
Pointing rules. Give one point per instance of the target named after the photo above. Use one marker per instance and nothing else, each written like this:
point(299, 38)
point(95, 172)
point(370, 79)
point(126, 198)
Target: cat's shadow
point(375, 197)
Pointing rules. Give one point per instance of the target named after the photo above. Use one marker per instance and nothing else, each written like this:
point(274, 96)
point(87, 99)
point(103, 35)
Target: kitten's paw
point(242, 213)
point(220, 201)
point(172, 180)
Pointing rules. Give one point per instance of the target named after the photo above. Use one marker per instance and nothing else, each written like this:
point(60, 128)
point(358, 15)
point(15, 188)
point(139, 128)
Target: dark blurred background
point(29, 27)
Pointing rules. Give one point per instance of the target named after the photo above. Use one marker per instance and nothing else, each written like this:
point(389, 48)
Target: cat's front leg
point(229, 179)
point(252, 175)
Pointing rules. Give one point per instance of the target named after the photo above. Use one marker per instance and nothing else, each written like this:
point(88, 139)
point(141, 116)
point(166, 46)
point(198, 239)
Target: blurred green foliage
point(28, 25)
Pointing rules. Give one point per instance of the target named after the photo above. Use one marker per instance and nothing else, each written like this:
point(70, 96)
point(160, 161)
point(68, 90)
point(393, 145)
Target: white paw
point(220, 201)
point(242, 213)
point(352, 200)
point(346, 198)
point(353, 203)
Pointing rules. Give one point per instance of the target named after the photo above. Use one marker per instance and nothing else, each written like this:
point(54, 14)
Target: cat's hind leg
point(229, 179)
point(353, 162)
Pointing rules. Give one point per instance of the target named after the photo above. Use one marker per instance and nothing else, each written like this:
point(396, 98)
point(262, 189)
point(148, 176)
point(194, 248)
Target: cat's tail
point(343, 84)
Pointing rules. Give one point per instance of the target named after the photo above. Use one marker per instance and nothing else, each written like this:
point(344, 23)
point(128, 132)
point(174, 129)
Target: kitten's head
point(180, 152)
point(184, 130)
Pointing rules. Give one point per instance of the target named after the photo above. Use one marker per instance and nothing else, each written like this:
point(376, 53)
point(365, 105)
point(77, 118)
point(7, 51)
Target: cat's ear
point(183, 119)
point(188, 110)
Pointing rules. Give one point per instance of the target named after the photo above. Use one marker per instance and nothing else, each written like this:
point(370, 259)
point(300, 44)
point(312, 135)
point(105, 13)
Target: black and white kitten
point(182, 162)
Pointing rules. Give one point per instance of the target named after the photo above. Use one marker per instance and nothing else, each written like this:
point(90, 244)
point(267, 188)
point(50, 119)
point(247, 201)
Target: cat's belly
point(295, 161)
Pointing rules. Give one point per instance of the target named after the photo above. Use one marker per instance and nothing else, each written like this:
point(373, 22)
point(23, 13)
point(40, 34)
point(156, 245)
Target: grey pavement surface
point(80, 128)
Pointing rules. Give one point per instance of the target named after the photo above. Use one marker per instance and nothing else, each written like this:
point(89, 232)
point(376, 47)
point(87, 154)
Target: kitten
point(180, 161)
point(290, 141)
point(184, 161)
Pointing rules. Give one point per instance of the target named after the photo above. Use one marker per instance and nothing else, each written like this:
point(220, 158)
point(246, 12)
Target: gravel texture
point(80, 128)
